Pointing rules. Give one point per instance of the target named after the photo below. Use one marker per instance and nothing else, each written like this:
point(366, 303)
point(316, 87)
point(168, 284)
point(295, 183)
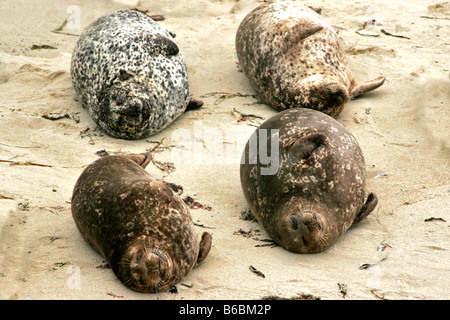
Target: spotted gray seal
point(292, 58)
point(318, 191)
point(141, 227)
point(129, 73)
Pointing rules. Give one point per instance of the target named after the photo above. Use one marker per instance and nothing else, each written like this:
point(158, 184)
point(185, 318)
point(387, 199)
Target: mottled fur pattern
point(319, 189)
point(141, 227)
point(292, 58)
point(129, 73)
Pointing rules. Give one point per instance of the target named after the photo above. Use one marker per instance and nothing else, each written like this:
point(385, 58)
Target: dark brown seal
point(318, 189)
point(142, 228)
point(292, 58)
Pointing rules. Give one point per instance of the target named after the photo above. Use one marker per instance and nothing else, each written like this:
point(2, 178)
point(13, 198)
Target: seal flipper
point(305, 146)
point(318, 10)
point(300, 31)
point(205, 246)
point(367, 208)
point(367, 86)
point(194, 104)
point(164, 45)
point(142, 159)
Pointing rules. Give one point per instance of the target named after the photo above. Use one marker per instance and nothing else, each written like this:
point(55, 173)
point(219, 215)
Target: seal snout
point(329, 97)
point(146, 270)
point(303, 230)
point(306, 218)
point(134, 109)
point(127, 114)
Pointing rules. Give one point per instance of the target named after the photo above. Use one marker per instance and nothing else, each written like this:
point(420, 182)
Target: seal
point(292, 58)
point(318, 191)
point(129, 73)
point(141, 227)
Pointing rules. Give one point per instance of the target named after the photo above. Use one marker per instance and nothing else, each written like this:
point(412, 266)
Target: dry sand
point(403, 129)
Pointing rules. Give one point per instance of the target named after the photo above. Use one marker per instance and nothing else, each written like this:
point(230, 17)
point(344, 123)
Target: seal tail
point(367, 86)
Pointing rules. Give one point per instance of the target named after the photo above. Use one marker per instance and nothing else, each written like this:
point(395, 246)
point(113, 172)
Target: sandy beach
point(401, 251)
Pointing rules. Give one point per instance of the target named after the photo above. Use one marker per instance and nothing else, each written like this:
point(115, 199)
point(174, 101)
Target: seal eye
point(294, 222)
point(124, 75)
point(145, 110)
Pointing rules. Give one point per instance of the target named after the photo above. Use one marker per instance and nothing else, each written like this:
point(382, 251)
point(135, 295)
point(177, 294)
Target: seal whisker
point(128, 281)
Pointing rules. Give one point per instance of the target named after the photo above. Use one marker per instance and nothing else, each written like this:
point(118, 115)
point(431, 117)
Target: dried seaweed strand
point(247, 115)
point(28, 163)
point(24, 147)
point(257, 272)
point(227, 94)
point(435, 18)
point(434, 219)
point(377, 295)
point(202, 226)
point(155, 17)
point(394, 35)
point(61, 27)
point(42, 46)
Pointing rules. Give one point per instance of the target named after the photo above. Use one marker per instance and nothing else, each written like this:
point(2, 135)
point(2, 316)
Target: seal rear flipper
point(318, 10)
point(205, 246)
point(367, 208)
point(142, 159)
point(367, 86)
point(194, 104)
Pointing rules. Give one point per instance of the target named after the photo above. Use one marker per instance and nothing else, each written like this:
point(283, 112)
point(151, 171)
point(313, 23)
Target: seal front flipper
point(367, 86)
point(164, 45)
point(205, 246)
point(305, 146)
point(367, 208)
point(300, 31)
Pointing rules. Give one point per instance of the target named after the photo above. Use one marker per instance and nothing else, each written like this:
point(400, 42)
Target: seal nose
point(329, 98)
point(132, 109)
point(303, 225)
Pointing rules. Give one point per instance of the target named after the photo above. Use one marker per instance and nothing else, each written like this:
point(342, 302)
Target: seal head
point(292, 58)
point(127, 108)
point(140, 226)
point(318, 190)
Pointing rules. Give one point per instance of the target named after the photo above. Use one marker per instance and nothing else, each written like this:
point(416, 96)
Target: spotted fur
point(292, 58)
point(129, 73)
point(318, 191)
point(140, 226)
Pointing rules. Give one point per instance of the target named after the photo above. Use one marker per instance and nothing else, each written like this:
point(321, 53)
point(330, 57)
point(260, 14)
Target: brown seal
point(292, 58)
point(141, 227)
point(318, 189)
